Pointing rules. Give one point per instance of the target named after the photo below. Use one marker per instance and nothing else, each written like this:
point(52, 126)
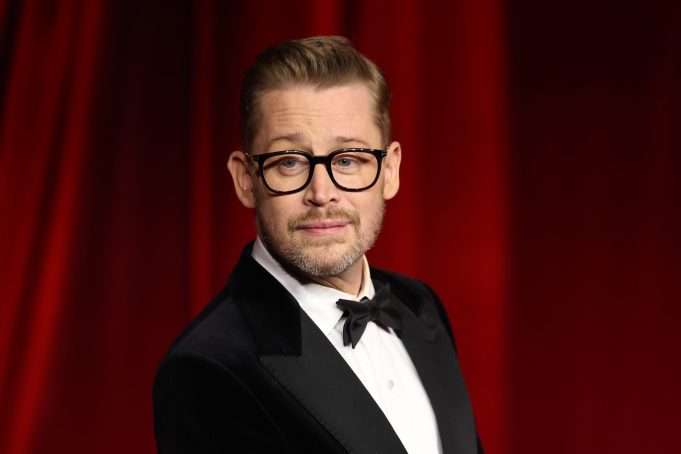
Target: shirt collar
point(318, 301)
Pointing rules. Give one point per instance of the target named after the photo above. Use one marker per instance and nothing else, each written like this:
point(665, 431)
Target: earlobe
point(392, 171)
point(237, 164)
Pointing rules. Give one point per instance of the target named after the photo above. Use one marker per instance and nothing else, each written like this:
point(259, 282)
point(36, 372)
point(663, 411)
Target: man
point(308, 349)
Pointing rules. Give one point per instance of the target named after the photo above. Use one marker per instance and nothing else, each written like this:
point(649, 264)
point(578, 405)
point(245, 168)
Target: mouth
point(327, 227)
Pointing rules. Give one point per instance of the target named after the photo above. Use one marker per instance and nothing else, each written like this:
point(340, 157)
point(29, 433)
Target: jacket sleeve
point(202, 407)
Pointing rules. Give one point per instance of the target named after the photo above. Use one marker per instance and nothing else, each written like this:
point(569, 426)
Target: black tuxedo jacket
point(253, 373)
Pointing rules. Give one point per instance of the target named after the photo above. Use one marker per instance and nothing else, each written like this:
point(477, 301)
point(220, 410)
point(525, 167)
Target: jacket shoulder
point(218, 332)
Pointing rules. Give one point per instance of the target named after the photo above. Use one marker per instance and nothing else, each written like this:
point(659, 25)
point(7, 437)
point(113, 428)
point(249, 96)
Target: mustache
point(315, 214)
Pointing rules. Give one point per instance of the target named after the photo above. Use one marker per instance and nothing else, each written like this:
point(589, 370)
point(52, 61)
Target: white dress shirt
point(379, 360)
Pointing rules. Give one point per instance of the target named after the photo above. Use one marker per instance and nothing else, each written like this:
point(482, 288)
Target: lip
point(324, 227)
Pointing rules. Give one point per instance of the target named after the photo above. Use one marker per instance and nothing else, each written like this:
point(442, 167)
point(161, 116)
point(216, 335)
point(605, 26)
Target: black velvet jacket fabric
point(253, 374)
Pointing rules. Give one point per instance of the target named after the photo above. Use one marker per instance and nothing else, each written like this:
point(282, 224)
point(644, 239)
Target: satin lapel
point(321, 380)
point(302, 359)
point(433, 355)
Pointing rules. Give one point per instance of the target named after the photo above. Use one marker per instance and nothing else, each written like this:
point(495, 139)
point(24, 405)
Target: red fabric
point(540, 198)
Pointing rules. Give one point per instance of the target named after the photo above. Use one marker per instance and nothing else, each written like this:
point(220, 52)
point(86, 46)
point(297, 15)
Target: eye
point(350, 163)
point(288, 163)
point(346, 162)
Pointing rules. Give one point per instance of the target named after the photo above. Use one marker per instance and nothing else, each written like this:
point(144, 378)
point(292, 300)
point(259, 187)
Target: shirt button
point(391, 384)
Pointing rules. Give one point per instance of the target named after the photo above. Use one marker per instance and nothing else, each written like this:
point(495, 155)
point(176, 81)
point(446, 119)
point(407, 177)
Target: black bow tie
point(380, 310)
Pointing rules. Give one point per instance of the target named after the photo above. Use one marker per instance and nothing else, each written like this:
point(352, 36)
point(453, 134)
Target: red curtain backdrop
point(541, 192)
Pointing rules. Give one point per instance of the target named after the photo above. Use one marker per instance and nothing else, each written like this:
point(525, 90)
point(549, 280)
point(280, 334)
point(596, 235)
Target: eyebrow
point(296, 138)
point(342, 140)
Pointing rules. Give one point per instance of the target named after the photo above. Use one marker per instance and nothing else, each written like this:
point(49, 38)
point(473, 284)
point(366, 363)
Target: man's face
point(322, 230)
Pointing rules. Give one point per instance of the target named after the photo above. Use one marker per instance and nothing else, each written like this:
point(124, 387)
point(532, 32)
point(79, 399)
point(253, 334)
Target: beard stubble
point(315, 257)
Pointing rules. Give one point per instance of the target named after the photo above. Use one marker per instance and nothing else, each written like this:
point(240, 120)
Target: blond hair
point(320, 61)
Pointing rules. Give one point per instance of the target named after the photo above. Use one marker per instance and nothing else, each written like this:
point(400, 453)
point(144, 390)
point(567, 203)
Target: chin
point(324, 260)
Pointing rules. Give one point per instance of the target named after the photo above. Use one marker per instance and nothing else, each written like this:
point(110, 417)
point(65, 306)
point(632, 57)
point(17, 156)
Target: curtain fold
point(43, 161)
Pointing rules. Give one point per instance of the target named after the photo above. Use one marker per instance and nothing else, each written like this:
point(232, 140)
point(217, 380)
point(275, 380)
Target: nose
point(321, 189)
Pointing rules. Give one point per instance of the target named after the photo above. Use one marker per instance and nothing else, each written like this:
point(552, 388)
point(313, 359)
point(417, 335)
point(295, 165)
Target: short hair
point(320, 61)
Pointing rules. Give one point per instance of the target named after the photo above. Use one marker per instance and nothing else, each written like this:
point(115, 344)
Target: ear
point(242, 177)
point(391, 171)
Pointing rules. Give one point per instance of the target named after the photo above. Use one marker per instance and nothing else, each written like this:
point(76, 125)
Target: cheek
point(370, 210)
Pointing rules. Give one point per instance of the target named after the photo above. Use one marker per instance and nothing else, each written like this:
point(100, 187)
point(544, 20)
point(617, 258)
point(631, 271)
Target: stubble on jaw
point(315, 257)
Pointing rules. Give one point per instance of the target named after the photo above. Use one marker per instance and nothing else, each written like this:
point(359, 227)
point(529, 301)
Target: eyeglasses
point(350, 169)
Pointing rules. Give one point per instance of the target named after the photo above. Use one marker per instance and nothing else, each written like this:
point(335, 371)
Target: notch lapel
point(321, 380)
point(300, 357)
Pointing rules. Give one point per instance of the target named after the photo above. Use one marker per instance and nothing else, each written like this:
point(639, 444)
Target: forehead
point(318, 115)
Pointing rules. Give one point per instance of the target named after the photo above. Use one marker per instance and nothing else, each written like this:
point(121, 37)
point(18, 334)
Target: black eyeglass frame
point(314, 160)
